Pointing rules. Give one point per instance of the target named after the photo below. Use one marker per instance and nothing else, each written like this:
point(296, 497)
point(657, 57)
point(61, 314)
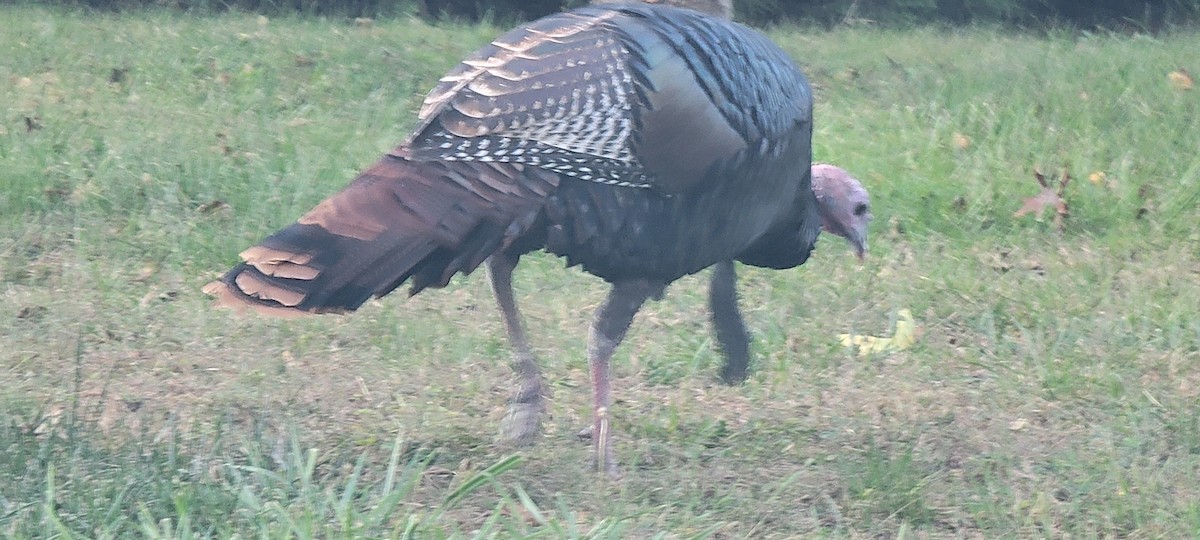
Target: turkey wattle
point(641, 142)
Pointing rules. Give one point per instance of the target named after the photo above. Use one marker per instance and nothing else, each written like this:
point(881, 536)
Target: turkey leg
point(523, 420)
point(728, 323)
point(608, 329)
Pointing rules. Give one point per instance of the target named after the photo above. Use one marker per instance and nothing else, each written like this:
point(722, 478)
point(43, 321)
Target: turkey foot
point(523, 421)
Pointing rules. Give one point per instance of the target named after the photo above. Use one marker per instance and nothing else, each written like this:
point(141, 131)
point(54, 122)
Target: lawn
point(1051, 389)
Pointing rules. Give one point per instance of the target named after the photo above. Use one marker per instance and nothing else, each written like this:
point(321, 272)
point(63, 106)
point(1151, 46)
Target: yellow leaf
point(906, 331)
point(1097, 177)
point(148, 270)
point(904, 337)
point(1181, 79)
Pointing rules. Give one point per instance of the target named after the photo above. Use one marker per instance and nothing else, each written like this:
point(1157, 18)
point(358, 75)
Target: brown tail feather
point(400, 219)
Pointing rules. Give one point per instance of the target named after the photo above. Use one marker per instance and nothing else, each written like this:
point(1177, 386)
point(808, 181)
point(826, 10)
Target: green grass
point(1051, 390)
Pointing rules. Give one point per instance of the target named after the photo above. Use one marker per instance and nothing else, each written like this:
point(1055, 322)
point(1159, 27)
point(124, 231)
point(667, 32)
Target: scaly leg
point(608, 329)
point(523, 420)
point(727, 321)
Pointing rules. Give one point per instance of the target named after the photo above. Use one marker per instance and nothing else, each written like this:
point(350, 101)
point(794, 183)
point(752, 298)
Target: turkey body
point(643, 143)
point(715, 126)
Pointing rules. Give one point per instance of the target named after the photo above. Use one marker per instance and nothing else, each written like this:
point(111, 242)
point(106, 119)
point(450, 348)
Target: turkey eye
point(860, 209)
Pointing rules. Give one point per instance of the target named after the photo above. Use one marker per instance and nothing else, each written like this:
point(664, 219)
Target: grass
point(1051, 390)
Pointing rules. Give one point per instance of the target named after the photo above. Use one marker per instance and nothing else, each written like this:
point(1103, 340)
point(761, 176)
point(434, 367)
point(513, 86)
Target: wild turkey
point(641, 142)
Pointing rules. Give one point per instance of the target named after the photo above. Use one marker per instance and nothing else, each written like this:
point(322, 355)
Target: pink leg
point(608, 329)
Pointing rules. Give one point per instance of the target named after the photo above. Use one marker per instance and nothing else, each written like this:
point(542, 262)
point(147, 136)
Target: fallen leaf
point(32, 313)
point(895, 228)
point(903, 338)
point(57, 193)
point(1048, 197)
point(213, 206)
point(1018, 424)
point(962, 142)
point(1097, 178)
point(999, 261)
point(153, 297)
point(110, 415)
point(1181, 79)
point(48, 420)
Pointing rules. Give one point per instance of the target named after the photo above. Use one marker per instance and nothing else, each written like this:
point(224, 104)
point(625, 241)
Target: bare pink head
point(844, 205)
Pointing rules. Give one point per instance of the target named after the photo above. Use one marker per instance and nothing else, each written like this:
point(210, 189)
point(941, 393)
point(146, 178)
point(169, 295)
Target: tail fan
point(401, 219)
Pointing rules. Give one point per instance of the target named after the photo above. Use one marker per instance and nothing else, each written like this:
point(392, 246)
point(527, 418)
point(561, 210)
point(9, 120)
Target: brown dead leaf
point(999, 261)
point(1181, 79)
point(154, 297)
point(32, 313)
point(58, 192)
point(895, 228)
point(439, 476)
point(214, 207)
point(223, 144)
point(110, 415)
point(523, 514)
point(146, 272)
point(1035, 267)
point(962, 142)
point(1048, 197)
